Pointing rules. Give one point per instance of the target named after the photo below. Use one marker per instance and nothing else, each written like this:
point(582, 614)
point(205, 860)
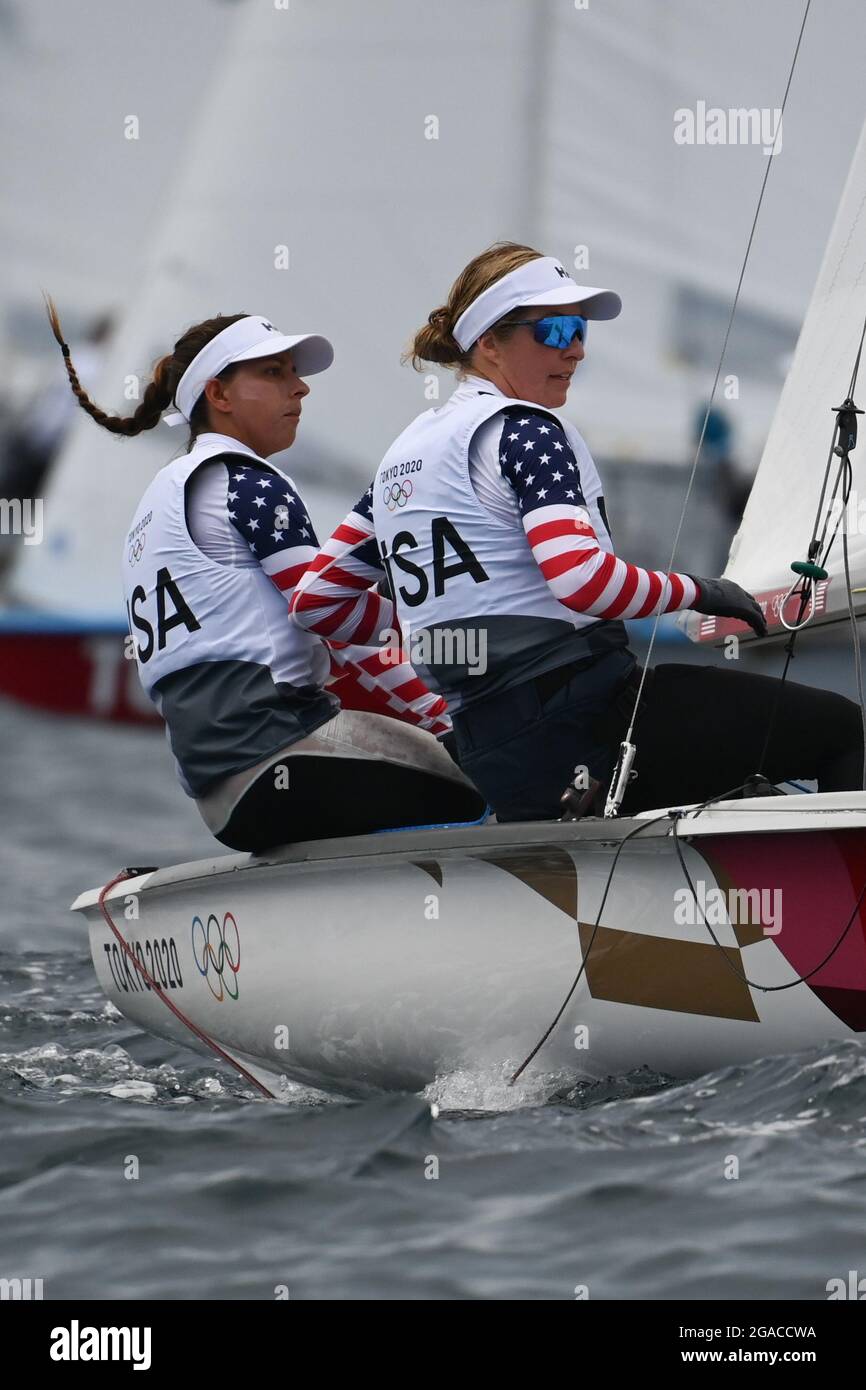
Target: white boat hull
point(385, 961)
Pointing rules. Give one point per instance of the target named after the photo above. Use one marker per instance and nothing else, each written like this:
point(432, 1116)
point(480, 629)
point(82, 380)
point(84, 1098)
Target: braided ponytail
point(159, 392)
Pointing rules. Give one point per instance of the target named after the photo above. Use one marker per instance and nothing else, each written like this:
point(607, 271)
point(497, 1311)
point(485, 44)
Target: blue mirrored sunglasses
point(557, 330)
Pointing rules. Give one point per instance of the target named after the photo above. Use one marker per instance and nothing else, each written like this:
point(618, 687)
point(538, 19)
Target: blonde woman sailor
point(487, 514)
point(213, 555)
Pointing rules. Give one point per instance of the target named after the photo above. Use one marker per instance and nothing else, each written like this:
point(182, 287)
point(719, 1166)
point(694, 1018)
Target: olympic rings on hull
point(217, 954)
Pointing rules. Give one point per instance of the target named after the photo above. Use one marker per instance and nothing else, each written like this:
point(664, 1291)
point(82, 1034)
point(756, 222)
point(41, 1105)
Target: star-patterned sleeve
point(337, 598)
point(266, 510)
point(536, 458)
point(268, 513)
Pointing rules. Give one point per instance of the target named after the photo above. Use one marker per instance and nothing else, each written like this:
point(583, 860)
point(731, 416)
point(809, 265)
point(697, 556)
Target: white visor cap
point(251, 337)
point(541, 281)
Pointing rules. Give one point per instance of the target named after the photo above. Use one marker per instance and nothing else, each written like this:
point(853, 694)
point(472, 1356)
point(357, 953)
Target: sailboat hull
point(385, 961)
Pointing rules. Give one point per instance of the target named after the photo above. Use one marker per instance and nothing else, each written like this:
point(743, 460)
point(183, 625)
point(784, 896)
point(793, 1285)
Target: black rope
point(654, 820)
point(816, 545)
point(734, 305)
point(675, 816)
point(819, 552)
point(753, 984)
point(789, 654)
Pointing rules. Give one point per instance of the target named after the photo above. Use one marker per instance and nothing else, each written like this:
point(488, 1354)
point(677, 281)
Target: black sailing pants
point(333, 796)
point(700, 731)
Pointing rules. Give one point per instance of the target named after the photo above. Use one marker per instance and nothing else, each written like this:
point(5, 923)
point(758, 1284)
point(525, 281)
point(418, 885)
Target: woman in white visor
point(488, 517)
point(210, 563)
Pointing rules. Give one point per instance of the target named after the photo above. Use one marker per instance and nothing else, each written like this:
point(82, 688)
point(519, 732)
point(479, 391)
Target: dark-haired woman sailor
point(213, 554)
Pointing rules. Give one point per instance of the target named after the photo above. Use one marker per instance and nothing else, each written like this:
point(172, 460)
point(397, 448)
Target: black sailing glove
point(726, 599)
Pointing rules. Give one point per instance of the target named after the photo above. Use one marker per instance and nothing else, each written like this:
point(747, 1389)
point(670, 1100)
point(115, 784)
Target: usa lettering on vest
point(184, 608)
point(449, 560)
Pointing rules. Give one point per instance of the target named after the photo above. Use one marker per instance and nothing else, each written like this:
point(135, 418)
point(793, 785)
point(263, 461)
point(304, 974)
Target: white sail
point(780, 514)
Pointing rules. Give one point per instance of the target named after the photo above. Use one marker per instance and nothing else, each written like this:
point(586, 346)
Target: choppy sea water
point(622, 1189)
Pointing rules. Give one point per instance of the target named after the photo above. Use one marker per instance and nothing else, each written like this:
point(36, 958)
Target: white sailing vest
point(457, 569)
point(216, 651)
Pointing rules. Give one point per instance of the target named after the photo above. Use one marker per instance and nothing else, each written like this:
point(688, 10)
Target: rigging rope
point(819, 552)
point(626, 753)
point(753, 984)
point(675, 816)
point(617, 786)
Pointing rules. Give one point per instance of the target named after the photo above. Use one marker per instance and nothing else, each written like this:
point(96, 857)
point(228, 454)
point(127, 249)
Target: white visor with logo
point(541, 281)
point(251, 337)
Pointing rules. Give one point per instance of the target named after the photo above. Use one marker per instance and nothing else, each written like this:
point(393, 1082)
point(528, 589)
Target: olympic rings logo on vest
point(397, 495)
point(136, 550)
point(217, 954)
